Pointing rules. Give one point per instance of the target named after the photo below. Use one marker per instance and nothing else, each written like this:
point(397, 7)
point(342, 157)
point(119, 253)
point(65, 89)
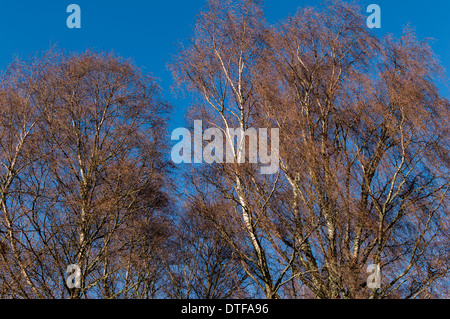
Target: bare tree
point(202, 264)
point(364, 139)
point(221, 64)
point(363, 147)
point(363, 179)
point(94, 171)
point(18, 143)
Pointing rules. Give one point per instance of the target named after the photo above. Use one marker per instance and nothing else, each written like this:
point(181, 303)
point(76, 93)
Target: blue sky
point(148, 31)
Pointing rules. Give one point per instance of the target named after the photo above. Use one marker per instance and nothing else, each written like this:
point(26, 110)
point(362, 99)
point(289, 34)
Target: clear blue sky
point(148, 30)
